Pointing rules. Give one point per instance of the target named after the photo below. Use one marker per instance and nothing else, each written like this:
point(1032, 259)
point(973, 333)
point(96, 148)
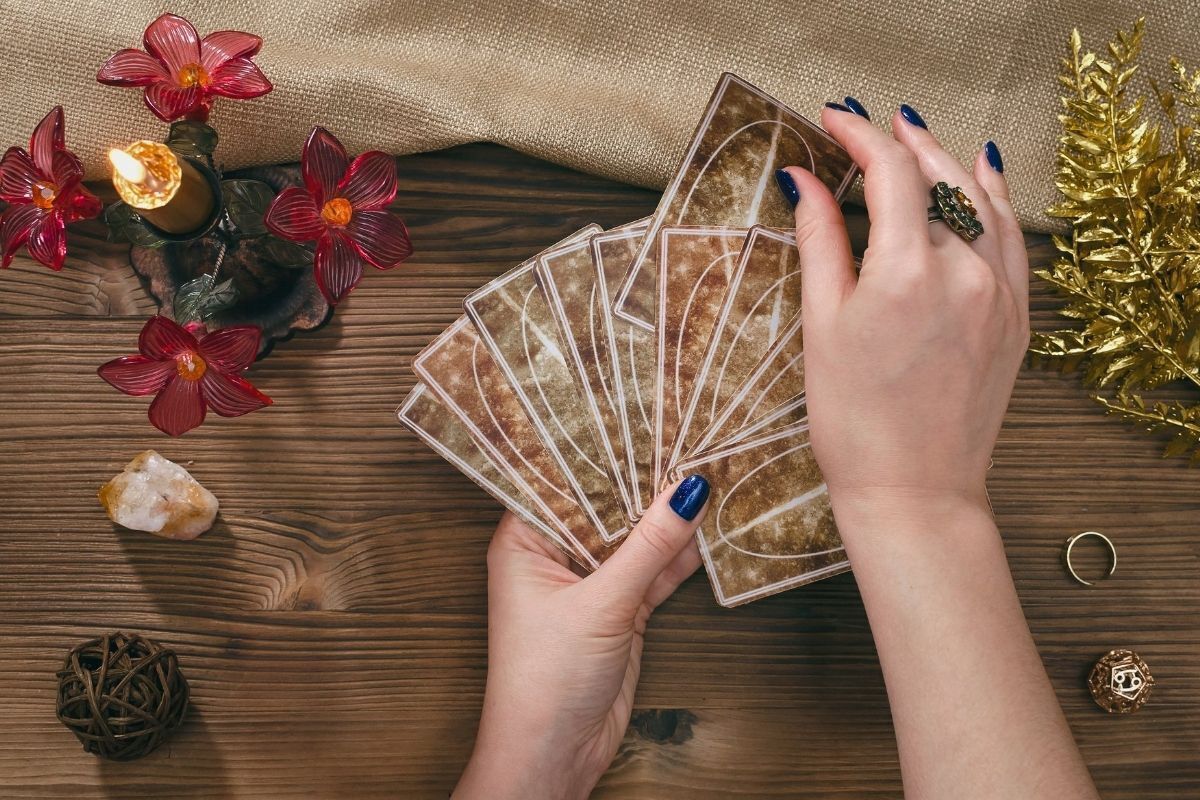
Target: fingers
point(663, 531)
point(896, 192)
point(825, 256)
point(989, 172)
point(678, 571)
point(938, 165)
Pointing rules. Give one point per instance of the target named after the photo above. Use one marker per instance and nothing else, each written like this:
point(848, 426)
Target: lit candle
point(167, 191)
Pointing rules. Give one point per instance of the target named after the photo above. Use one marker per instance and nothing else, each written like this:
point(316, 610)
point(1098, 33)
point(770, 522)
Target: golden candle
point(167, 191)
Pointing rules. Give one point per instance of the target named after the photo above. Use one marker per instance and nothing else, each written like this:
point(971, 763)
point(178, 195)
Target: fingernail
point(787, 186)
point(993, 156)
point(838, 107)
point(857, 107)
point(690, 497)
point(909, 113)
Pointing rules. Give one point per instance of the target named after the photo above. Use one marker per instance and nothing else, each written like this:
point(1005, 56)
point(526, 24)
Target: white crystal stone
point(159, 496)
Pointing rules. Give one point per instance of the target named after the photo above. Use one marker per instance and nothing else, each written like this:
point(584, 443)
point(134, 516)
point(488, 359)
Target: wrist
point(860, 512)
point(511, 761)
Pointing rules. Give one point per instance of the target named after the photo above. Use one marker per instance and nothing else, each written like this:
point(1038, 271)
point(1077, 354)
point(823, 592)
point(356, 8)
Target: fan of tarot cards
point(583, 381)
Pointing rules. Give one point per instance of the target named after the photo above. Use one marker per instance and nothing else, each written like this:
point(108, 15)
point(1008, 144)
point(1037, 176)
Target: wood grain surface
point(333, 623)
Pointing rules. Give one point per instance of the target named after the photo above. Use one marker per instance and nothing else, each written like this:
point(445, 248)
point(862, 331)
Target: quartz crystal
point(159, 496)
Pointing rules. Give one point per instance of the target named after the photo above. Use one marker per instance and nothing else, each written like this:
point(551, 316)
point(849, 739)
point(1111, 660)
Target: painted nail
point(787, 186)
point(690, 497)
point(838, 107)
point(857, 107)
point(993, 156)
point(910, 114)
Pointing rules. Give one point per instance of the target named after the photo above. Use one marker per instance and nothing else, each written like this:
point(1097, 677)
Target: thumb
point(663, 531)
point(826, 259)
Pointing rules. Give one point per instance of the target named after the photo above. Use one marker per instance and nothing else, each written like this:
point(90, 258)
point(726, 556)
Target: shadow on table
point(189, 764)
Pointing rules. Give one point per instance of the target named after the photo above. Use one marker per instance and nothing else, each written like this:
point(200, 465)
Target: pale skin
point(909, 367)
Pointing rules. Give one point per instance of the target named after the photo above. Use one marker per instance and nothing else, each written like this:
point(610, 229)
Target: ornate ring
point(1120, 682)
point(953, 207)
point(1112, 552)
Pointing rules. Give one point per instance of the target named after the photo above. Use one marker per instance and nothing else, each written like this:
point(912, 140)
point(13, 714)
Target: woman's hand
point(564, 652)
point(909, 365)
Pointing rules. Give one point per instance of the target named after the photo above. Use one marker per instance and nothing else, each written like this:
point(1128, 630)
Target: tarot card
point(634, 352)
point(459, 370)
point(763, 296)
point(695, 268)
point(514, 320)
point(446, 435)
point(727, 178)
point(569, 278)
point(772, 397)
point(769, 526)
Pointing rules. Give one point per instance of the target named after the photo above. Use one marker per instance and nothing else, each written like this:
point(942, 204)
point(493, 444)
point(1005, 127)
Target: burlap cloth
point(610, 88)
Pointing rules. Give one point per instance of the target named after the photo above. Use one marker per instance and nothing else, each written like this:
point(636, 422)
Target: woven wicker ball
point(121, 695)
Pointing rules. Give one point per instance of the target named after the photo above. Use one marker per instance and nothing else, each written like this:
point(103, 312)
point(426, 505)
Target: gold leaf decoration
point(1130, 273)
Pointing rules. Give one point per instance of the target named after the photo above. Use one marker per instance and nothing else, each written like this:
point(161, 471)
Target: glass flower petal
point(231, 349)
point(239, 78)
point(323, 163)
point(380, 238)
point(137, 375)
point(178, 408)
point(370, 182)
point(76, 203)
point(47, 139)
point(338, 267)
point(18, 174)
point(231, 395)
point(170, 102)
point(132, 68)
point(15, 224)
point(48, 240)
point(172, 40)
point(293, 215)
point(221, 46)
point(163, 338)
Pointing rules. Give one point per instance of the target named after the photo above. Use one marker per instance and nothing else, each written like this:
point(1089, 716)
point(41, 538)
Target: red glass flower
point(343, 207)
point(44, 190)
point(190, 370)
point(183, 73)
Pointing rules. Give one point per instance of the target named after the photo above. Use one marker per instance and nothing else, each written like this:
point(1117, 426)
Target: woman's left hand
point(564, 652)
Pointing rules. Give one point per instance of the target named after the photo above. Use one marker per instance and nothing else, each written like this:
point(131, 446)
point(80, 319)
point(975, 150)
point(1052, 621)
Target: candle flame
point(127, 166)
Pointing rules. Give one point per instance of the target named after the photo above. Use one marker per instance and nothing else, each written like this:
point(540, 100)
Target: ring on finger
point(952, 206)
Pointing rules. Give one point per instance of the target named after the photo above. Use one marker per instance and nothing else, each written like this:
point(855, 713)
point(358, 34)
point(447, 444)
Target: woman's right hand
point(909, 364)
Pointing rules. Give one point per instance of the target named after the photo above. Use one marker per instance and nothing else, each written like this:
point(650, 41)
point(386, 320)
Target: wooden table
point(333, 623)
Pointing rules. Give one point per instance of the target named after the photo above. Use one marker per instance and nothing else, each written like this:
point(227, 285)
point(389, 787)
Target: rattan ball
point(121, 695)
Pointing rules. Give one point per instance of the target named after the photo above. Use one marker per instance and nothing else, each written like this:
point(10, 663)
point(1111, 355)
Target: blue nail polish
point(690, 497)
point(838, 107)
point(787, 186)
point(857, 107)
point(909, 113)
point(993, 156)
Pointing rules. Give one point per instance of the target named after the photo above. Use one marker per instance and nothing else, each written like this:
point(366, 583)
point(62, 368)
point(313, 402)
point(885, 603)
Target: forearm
point(974, 711)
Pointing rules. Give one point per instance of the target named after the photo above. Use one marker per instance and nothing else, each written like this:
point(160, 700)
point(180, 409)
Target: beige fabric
point(611, 88)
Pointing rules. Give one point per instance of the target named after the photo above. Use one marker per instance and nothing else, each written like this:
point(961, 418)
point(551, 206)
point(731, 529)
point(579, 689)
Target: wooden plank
point(333, 624)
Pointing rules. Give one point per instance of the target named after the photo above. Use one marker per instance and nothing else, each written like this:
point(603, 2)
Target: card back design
point(773, 395)
point(727, 177)
point(696, 266)
point(769, 527)
point(568, 276)
point(763, 296)
point(449, 437)
point(458, 368)
point(634, 351)
point(514, 320)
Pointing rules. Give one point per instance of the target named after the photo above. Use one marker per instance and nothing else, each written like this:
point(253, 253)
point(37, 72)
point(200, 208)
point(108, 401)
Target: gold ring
point(1112, 552)
point(952, 206)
